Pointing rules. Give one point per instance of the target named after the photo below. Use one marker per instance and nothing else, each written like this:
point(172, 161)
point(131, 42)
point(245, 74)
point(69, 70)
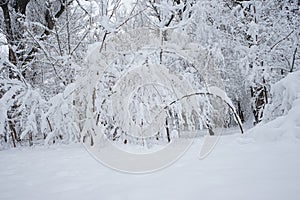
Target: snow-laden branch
point(215, 92)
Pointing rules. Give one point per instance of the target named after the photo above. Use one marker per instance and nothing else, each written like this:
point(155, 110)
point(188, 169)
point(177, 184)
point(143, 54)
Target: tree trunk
point(168, 131)
point(20, 6)
point(293, 59)
point(7, 21)
point(13, 133)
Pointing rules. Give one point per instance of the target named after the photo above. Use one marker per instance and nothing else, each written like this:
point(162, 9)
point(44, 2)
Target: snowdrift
point(283, 113)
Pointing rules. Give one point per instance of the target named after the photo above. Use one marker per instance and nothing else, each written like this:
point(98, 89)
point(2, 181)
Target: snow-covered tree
point(250, 39)
point(70, 67)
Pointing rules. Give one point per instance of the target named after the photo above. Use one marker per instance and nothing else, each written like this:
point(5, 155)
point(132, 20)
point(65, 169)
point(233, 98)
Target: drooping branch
point(238, 120)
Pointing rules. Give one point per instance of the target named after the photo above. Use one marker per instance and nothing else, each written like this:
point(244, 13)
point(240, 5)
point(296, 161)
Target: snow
point(3, 49)
point(286, 127)
point(284, 93)
point(201, 49)
point(282, 121)
point(218, 92)
point(253, 29)
point(90, 6)
point(2, 117)
point(222, 94)
point(238, 168)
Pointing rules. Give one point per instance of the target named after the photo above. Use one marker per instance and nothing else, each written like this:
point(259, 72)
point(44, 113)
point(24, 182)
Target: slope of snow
point(284, 93)
point(238, 168)
point(282, 120)
point(286, 127)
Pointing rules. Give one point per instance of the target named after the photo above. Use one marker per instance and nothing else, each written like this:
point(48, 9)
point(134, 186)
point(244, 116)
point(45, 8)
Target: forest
point(201, 98)
point(52, 50)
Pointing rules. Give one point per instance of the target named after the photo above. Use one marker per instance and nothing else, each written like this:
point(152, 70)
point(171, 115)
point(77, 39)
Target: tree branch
point(208, 93)
point(281, 40)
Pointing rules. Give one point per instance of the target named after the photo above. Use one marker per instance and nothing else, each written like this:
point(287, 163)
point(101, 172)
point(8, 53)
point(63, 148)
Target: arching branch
point(211, 94)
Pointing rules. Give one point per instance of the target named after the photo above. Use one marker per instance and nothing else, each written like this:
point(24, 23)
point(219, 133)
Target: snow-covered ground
point(238, 168)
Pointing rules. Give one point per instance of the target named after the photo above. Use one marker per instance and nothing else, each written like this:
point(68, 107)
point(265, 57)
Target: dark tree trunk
point(294, 58)
point(7, 22)
point(50, 18)
point(13, 133)
point(20, 6)
point(168, 131)
point(240, 112)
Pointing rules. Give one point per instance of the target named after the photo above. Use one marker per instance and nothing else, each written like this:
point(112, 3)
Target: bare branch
point(281, 40)
point(46, 54)
point(78, 44)
point(116, 6)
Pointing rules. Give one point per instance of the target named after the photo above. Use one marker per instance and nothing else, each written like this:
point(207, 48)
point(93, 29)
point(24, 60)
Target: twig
point(281, 40)
point(79, 4)
point(46, 54)
point(78, 44)
point(115, 8)
point(120, 25)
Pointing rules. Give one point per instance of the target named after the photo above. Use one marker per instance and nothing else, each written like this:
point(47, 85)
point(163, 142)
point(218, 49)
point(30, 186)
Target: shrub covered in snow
point(282, 119)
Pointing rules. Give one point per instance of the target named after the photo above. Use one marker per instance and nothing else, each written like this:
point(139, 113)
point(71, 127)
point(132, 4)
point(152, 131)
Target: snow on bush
point(284, 94)
point(59, 121)
point(3, 49)
point(139, 85)
point(283, 113)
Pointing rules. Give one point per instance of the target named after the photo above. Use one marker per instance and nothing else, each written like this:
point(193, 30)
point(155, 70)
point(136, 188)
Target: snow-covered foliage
point(60, 119)
point(21, 110)
point(146, 91)
point(68, 68)
point(27, 116)
point(284, 95)
point(257, 50)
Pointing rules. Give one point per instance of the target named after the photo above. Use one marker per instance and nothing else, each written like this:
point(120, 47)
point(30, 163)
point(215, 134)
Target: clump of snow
point(253, 29)
point(283, 113)
point(3, 49)
point(284, 93)
point(2, 118)
point(222, 94)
